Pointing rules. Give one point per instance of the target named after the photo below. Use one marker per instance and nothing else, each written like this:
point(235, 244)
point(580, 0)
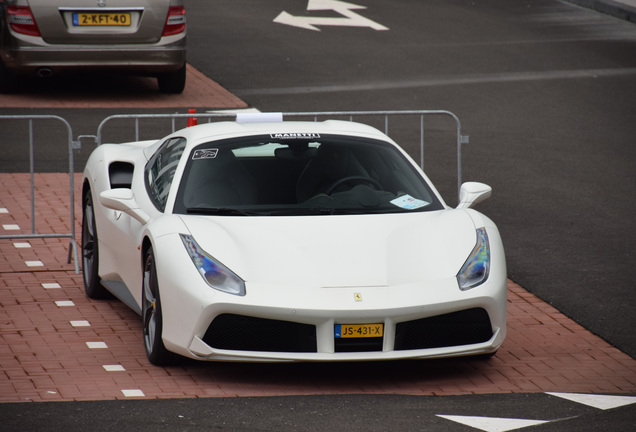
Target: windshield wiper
point(302, 211)
point(221, 211)
point(367, 210)
point(320, 211)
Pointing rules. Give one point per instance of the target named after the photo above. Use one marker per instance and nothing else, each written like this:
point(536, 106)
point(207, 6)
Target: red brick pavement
point(44, 357)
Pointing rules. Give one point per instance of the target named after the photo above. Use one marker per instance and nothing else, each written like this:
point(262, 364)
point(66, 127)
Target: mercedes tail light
point(175, 22)
point(21, 20)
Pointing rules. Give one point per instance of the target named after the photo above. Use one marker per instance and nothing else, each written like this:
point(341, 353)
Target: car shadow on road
point(104, 89)
point(433, 376)
point(96, 84)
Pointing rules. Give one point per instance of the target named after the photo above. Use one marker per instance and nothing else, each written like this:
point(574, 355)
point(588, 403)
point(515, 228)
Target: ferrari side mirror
point(472, 193)
point(122, 199)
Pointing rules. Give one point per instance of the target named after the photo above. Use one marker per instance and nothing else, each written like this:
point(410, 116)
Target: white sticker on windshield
point(205, 154)
point(408, 202)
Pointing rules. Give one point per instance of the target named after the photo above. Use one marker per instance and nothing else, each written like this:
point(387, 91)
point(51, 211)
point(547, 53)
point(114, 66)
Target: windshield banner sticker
point(294, 135)
point(205, 154)
point(408, 202)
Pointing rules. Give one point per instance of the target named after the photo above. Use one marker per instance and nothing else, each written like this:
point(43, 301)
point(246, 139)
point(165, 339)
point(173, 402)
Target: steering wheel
point(356, 179)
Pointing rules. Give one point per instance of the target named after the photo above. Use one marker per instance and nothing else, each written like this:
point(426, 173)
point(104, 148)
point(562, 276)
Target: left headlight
point(475, 270)
point(214, 273)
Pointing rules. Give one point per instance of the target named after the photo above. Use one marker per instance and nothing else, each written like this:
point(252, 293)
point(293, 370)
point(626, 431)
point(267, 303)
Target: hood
point(338, 251)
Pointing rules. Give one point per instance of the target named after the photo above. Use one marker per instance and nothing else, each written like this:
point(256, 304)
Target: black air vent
point(465, 327)
point(243, 333)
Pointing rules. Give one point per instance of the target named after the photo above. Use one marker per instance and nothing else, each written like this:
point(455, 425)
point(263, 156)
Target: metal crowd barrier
point(71, 146)
point(460, 139)
point(210, 116)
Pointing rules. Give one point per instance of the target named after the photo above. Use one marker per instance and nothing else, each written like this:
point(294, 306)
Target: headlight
point(215, 274)
point(475, 270)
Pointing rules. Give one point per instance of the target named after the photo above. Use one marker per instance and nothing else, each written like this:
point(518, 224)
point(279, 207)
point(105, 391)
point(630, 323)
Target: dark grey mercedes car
point(141, 37)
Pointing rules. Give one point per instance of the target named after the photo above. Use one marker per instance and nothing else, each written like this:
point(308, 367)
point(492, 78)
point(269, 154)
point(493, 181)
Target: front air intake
point(244, 333)
point(465, 327)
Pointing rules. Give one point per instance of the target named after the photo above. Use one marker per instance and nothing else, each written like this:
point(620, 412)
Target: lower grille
point(357, 344)
point(458, 328)
point(243, 333)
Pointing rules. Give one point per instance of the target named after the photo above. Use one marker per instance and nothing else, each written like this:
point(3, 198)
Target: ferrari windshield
point(300, 174)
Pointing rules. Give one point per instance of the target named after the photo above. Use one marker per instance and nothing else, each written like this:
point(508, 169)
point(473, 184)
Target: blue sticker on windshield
point(408, 202)
point(205, 154)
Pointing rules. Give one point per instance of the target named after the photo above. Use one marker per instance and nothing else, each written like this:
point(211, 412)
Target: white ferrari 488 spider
point(290, 241)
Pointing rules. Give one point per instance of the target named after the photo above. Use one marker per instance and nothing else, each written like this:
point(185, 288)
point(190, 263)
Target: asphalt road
point(318, 414)
point(546, 90)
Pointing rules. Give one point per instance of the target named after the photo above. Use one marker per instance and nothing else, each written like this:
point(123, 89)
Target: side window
point(161, 168)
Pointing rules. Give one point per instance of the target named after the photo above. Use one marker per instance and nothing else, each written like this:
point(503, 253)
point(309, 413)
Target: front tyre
point(152, 319)
point(90, 251)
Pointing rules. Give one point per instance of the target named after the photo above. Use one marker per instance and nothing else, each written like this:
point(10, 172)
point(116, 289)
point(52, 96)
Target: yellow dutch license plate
point(102, 19)
point(358, 330)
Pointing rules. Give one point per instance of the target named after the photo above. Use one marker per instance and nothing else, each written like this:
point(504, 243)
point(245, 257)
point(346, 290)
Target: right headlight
point(475, 270)
point(213, 272)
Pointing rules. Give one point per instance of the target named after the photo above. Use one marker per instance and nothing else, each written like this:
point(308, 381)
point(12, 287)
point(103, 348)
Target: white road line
point(11, 227)
point(51, 285)
point(469, 79)
point(497, 424)
point(603, 402)
point(34, 263)
point(234, 111)
point(22, 245)
point(493, 424)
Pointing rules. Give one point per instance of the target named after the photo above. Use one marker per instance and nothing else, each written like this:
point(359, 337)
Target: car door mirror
point(472, 193)
point(123, 199)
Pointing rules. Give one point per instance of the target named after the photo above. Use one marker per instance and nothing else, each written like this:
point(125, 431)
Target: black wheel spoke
point(88, 251)
point(152, 322)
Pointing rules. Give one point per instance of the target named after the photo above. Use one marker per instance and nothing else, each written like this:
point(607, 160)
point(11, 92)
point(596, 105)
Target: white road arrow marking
point(603, 402)
point(493, 424)
point(352, 19)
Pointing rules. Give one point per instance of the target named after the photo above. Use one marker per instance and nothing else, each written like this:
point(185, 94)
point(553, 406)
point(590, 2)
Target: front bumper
point(457, 333)
point(280, 322)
